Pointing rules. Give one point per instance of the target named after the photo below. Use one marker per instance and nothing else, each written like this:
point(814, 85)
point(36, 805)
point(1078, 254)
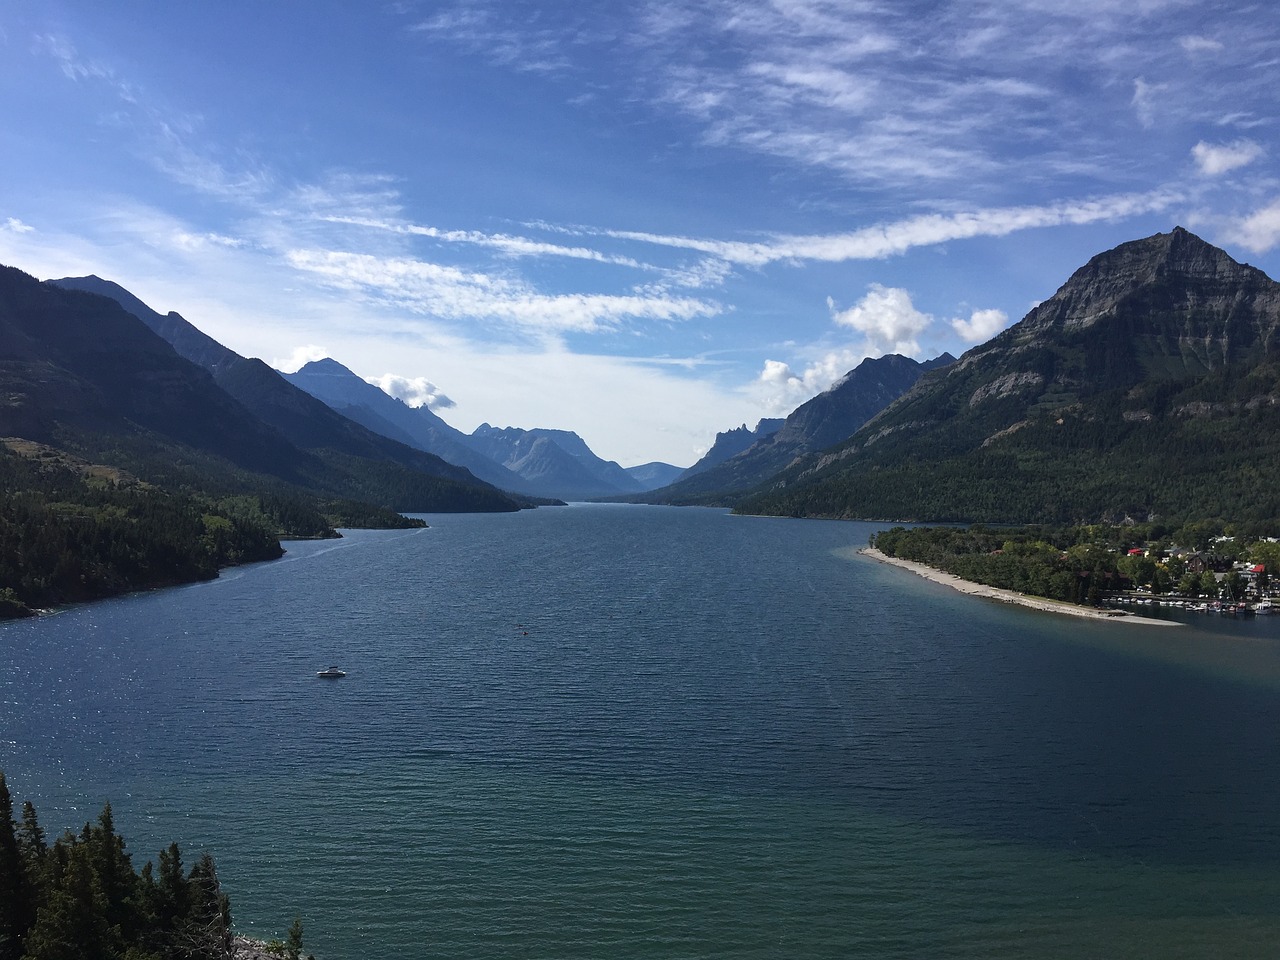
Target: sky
point(646, 222)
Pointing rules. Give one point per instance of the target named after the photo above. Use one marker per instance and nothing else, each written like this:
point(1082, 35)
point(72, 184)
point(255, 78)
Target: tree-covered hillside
point(71, 531)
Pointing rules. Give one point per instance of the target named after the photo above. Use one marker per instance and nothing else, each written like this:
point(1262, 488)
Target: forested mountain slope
point(1147, 386)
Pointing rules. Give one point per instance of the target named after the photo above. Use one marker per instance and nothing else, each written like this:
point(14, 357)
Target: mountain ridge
point(87, 375)
point(816, 424)
point(1125, 394)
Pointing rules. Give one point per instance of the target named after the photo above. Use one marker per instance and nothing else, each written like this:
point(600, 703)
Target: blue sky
point(645, 222)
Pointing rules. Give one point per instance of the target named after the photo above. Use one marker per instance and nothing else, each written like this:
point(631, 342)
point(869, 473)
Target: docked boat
point(333, 673)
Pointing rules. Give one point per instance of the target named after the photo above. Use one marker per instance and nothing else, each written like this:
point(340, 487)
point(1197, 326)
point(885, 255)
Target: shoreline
point(1010, 596)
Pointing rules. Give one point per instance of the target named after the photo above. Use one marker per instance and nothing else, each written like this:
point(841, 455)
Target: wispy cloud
point(76, 67)
point(888, 239)
point(1146, 100)
point(513, 246)
point(14, 225)
point(883, 94)
point(449, 293)
point(201, 241)
point(1195, 44)
point(506, 35)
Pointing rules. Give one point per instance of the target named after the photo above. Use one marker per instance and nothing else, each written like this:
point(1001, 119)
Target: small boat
point(333, 673)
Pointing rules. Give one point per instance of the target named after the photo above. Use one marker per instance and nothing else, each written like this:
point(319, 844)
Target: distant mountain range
point(1147, 387)
point(537, 462)
point(326, 407)
point(332, 384)
point(743, 459)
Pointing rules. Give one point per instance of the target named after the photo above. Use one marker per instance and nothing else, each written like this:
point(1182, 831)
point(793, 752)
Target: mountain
point(355, 398)
point(654, 474)
point(818, 423)
point(74, 364)
point(305, 421)
point(1146, 387)
point(188, 341)
point(730, 443)
point(555, 462)
point(83, 374)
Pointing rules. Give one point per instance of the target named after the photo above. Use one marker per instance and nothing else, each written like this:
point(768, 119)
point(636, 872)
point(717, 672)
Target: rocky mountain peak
point(325, 367)
point(1169, 277)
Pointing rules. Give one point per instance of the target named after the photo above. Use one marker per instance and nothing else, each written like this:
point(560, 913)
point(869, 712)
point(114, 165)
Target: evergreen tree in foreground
point(80, 899)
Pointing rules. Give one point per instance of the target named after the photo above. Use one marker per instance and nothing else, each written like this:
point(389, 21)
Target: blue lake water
point(615, 731)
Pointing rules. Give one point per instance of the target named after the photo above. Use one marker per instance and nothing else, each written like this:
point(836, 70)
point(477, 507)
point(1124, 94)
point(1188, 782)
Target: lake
point(624, 731)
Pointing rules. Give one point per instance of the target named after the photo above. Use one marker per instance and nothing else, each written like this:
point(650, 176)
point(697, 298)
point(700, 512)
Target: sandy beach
point(1009, 596)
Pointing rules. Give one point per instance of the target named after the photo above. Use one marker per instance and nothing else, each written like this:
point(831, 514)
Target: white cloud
point(707, 272)
point(452, 294)
point(1260, 231)
point(1215, 159)
point(886, 97)
point(886, 317)
point(504, 36)
point(14, 225)
point(888, 322)
point(300, 357)
point(1145, 97)
point(185, 240)
point(414, 391)
point(779, 389)
point(1196, 44)
point(74, 67)
point(503, 243)
point(981, 326)
point(897, 237)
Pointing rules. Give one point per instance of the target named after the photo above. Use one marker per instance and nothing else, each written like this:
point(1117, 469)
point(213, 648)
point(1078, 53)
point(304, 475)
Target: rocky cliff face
point(1176, 273)
point(1169, 297)
point(730, 443)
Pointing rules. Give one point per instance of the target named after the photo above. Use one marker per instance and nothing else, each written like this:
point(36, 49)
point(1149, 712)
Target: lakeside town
point(1227, 578)
point(1203, 581)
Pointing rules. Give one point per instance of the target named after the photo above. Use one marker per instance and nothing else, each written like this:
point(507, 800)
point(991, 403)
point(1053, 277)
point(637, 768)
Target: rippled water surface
point(606, 731)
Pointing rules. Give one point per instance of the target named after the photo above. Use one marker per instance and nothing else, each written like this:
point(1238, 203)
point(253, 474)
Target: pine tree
point(207, 932)
point(174, 894)
point(293, 946)
point(34, 852)
point(72, 923)
point(17, 904)
point(114, 872)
